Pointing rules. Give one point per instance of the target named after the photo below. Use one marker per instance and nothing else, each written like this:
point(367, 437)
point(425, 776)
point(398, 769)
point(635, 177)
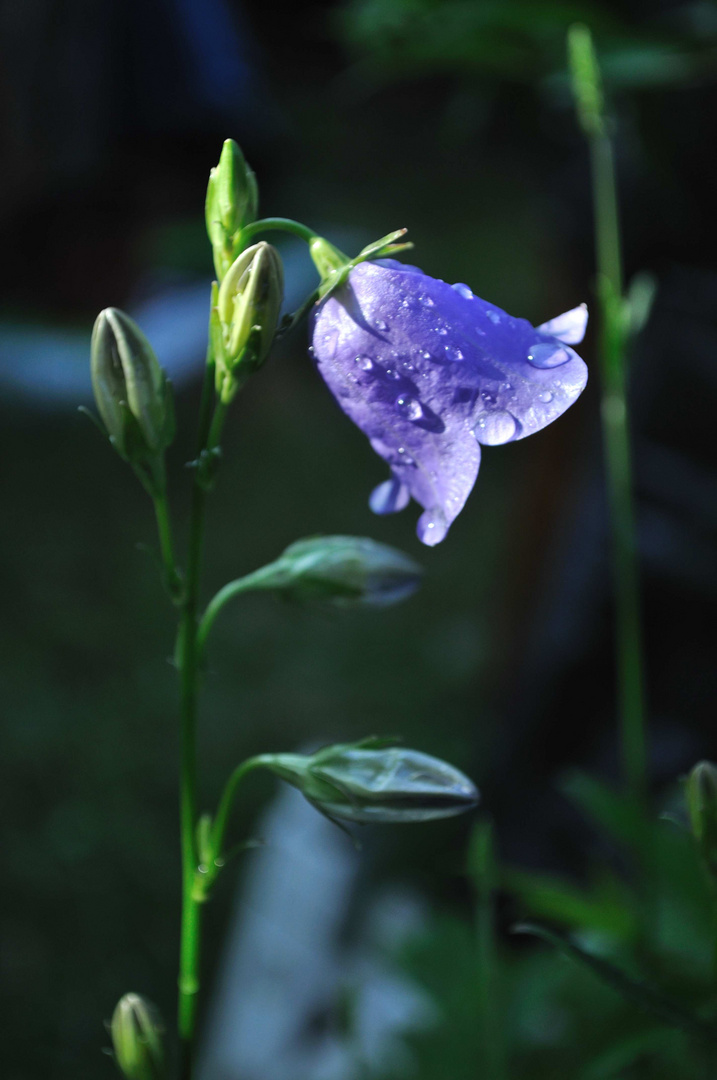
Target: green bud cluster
point(232, 202)
point(137, 1030)
point(248, 305)
point(133, 394)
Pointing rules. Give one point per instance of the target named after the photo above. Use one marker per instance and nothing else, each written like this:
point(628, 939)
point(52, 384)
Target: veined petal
point(429, 372)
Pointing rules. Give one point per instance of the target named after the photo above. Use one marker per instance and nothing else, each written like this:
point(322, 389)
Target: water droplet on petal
point(545, 396)
point(453, 353)
point(494, 316)
point(389, 497)
point(441, 330)
point(408, 407)
point(405, 458)
point(432, 527)
point(490, 399)
point(495, 427)
point(391, 373)
point(364, 362)
point(545, 355)
point(381, 325)
point(463, 290)
point(505, 387)
point(427, 301)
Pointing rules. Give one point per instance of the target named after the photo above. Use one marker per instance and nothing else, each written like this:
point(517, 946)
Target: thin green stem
point(292, 320)
point(279, 224)
point(166, 544)
point(190, 932)
point(255, 580)
point(489, 1016)
point(616, 437)
point(221, 820)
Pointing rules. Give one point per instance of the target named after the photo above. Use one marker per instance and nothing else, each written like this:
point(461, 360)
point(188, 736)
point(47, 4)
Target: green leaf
point(608, 909)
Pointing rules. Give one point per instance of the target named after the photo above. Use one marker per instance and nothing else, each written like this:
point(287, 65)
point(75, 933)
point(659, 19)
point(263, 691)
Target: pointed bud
point(346, 571)
point(131, 389)
point(232, 202)
point(368, 781)
point(248, 305)
point(137, 1032)
point(701, 794)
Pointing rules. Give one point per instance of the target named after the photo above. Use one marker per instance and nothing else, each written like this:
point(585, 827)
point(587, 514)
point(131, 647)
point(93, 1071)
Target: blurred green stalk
point(483, 872)
point(612, 352)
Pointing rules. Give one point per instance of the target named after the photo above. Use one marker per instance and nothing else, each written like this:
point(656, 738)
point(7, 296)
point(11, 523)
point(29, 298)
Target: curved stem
point(255, 580)
point(219, 826)
point(279, 224)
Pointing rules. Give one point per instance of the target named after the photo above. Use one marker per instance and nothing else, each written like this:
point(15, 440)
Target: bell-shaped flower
point(430, 373)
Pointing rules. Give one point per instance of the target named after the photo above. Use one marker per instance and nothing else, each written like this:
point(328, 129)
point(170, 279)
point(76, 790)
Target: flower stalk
point(612, 350)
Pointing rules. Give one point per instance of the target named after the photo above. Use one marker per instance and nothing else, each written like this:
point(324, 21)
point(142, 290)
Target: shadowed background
point(451, 119)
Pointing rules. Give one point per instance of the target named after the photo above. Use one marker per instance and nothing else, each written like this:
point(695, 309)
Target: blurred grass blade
point(607, 909)
point(630, 988)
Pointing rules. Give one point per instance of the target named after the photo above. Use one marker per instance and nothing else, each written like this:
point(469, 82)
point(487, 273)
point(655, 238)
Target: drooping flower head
point(430, 372)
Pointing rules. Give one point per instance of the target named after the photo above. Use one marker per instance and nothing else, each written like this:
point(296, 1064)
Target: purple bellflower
point(430, 372)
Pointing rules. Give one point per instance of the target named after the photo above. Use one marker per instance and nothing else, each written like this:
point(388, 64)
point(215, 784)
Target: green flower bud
point(701, 794)
point(248, 305)
point(368, 781)
point(232, 202)
point(137, 1032)
point(132, 392)
point(345, 571)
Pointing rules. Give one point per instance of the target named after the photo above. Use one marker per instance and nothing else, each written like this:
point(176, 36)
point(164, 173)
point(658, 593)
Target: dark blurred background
point(453, 119)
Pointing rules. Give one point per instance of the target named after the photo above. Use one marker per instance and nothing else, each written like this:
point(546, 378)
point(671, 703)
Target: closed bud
point(232, 203)
point(248, 304)
point(132, 392)
point(345, 571)
point(369, 781)
point(137, 1032)
point(701, 794)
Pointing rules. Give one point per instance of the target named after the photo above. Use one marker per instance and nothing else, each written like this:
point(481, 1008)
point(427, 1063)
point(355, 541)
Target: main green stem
point(187, 661)
point(614, 413)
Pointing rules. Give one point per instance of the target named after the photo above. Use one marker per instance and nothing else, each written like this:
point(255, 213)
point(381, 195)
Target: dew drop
point(364, 362)
point(505, 387)
point(427, 301)
point(408, 407)
point(380, 324)
point(454, 353)
point(391, 373)
point(545, 396)
point(432, 527)
point(463, 290)
point(495, 427)
point(441, 330)
point(490, 399)
point(405, 458)
point(545, 355)
point(494, 316)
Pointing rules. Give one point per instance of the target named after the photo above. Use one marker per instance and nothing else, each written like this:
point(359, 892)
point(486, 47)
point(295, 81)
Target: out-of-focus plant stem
point(612, 348)
point(482, 865)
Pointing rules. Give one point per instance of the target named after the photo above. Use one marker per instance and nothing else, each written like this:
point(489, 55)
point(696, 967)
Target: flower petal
point(429, 372)
point(569, 327)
